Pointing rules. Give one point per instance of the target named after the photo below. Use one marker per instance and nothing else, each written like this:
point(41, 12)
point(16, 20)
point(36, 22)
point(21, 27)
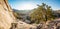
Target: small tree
point(42, 14)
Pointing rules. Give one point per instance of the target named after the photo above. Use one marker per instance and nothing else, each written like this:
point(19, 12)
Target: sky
point(31, 4)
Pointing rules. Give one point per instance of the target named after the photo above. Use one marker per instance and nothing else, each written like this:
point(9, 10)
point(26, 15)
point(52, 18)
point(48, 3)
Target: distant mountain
point(57, 11)
point(22, 11)
point(23, 15)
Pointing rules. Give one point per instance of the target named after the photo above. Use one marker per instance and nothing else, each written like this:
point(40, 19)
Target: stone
point(6, 15)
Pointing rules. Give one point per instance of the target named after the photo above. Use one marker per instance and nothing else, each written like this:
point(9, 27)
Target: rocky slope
point(6, 15)
point(8, 20)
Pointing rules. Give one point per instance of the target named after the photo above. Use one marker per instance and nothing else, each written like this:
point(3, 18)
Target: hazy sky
point(30, 4)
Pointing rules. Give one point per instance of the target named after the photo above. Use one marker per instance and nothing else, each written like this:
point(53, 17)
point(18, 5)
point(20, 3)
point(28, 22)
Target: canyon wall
point(6, 15)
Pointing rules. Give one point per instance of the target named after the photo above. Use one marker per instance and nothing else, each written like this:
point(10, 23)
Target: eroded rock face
point(23, 25)
point(6, 15)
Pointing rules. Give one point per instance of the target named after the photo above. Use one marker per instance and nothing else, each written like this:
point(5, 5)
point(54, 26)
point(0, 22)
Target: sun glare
point(26, 6)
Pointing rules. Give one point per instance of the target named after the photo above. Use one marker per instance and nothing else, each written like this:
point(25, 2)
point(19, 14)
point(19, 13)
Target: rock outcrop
point(23, 25)
point(6, 15)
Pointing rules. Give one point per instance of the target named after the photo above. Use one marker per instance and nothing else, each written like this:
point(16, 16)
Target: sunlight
point(26, 6)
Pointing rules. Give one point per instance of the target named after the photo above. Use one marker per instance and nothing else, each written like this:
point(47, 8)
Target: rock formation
point(6, 15)
point(8, 20)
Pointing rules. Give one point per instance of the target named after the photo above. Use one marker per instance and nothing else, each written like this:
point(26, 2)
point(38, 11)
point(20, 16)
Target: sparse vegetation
point(42, 13)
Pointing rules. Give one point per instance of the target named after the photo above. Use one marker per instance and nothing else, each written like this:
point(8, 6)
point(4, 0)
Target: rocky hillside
point(6, 15)
point(8, 20)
